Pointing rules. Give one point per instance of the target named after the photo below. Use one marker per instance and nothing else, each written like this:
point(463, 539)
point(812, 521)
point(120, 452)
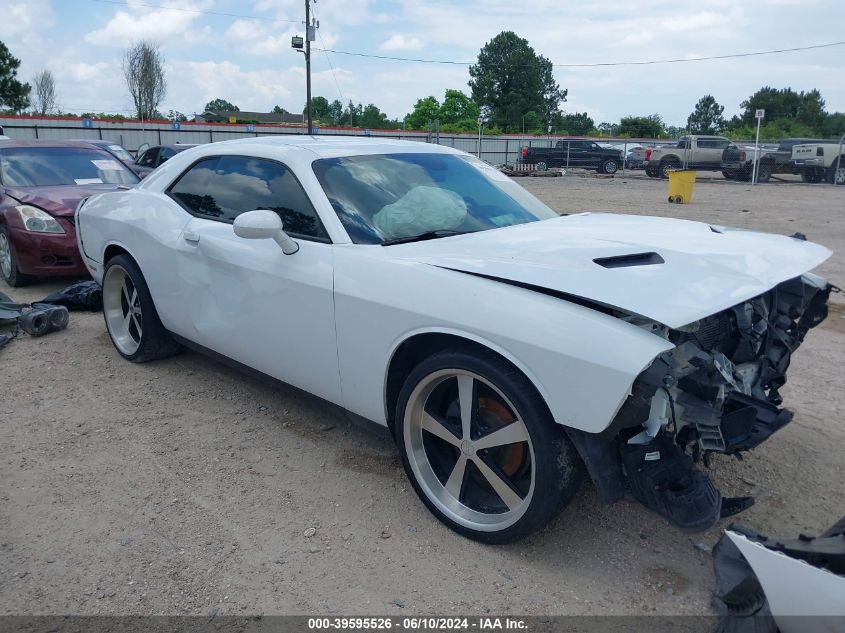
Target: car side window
point(148, 158)
point(190, 190)
point(721, 143)
point(224, 187)
point(165, 153)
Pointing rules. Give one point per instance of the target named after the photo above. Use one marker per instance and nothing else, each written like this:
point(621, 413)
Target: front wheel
point(836, 173)
point(131, 317)
point(8, 262)
point(481, 448)
point(764, 172)
point(541, 166)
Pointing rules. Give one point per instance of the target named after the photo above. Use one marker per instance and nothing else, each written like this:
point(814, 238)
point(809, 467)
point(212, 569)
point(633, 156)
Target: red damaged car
point(41, 182)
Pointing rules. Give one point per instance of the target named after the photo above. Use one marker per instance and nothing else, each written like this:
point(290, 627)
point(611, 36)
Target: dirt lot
point(185, 487)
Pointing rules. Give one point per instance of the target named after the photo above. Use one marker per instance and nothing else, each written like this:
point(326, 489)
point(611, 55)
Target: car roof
point(333, 146)
point(44, 143)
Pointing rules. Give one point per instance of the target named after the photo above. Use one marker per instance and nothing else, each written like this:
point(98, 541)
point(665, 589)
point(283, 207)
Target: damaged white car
point(508, 348)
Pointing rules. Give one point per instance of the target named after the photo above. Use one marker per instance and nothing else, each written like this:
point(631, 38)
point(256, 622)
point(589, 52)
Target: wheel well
point(671, 158)
point(413, 351)
point(112, 250)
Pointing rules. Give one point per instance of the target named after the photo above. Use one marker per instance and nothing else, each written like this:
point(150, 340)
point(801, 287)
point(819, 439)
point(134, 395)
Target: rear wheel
point(811, 175)
point(667, 165)
point(610, 166)
point(652, 172)
point(728, 175)
point(131, 317)
point(8, 262)
point(481, 448)
point(764, 172)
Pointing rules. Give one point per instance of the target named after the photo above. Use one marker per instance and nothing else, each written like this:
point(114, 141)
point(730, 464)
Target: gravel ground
point(186, 487)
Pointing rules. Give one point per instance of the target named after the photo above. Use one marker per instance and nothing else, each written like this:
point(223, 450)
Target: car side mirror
point(262, 224)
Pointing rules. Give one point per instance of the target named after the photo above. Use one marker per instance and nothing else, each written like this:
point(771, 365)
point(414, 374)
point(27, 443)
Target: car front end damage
point(716, 391)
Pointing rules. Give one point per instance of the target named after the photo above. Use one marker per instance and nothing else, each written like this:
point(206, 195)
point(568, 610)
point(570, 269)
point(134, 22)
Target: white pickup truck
point(820, 161)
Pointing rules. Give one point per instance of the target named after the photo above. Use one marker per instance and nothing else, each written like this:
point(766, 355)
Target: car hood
point(704, 269)
point(58, 200)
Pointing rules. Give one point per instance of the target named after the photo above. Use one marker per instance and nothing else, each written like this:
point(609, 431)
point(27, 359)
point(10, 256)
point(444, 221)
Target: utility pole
point(308, 38)
point(297, 44)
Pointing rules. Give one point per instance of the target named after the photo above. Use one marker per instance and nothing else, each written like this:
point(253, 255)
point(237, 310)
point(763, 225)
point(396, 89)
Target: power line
point(596, 64)
point(197, 11)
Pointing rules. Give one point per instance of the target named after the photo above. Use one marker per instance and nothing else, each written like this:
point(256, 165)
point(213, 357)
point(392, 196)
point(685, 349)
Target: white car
point(507, 347)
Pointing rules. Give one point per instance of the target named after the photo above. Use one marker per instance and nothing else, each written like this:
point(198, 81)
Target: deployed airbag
point(422, 209)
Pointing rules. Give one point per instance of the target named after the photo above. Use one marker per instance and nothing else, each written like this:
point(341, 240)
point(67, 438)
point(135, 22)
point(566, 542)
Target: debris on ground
point(50, 314)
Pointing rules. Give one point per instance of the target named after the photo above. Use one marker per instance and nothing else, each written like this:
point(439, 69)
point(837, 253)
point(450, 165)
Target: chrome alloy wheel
point(469, 450)
point(5, 256)
point(122, 308)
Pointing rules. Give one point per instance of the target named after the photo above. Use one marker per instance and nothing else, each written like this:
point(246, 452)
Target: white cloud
point(25, 21)
point(196, 83)
point(402, 42)
point(139, 21)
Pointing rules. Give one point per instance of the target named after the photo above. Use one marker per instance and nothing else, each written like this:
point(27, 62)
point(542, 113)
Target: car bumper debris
point(716, 391)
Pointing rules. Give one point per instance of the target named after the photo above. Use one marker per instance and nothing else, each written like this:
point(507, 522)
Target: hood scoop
point(628, 261)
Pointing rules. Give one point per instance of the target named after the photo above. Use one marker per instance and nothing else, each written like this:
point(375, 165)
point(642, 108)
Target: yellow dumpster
point(681, 183)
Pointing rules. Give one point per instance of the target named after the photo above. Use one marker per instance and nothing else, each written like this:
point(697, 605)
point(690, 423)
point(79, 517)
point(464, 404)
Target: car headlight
point(38, 221)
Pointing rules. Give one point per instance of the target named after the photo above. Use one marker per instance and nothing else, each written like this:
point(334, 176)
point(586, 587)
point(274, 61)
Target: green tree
point(320, 110)
point(707, 117)
point(511, 79)
point(175, 115)
point(577, 124)
point(372, 117)
point(534, 123)
point(221, 105)
point(641, 126)
point(351, 115)
point(336, 111)
point(277, 109)
point(833, 125)
point(457, 107)
point(784, 103)
point(426, 110)
point(14, 95)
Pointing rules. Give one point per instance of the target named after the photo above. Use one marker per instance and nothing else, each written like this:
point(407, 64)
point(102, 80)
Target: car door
point(246, 299)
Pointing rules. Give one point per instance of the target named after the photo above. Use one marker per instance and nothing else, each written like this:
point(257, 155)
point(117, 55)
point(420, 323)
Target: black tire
point(831, 175)
point(652, 172)
point(12, 275)
point(541, 165)
point(609, 166)
point(764, 172)
point(155, 341)
point(667, 165)
point(811, 175)
point(557, 467)
point(729, 175)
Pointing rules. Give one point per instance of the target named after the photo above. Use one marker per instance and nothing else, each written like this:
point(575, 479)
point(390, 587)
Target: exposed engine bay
point(716, 391)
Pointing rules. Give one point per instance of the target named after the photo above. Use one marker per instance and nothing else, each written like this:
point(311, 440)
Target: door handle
point(191, 237)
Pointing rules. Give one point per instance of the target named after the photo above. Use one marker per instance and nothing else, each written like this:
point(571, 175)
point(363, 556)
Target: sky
point(240, 50)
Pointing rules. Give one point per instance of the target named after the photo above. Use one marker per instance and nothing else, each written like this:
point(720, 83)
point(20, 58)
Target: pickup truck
point(574, 153)
point(694, 152)
point(820, 161)
point(738, 161)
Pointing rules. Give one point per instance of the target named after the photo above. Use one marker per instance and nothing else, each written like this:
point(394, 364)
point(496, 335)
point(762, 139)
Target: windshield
point(391, 196)
point(121, 153)
point(49, 166)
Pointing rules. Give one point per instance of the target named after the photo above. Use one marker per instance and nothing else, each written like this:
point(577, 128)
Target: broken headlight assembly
point(37, 221)
point(716, 391)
